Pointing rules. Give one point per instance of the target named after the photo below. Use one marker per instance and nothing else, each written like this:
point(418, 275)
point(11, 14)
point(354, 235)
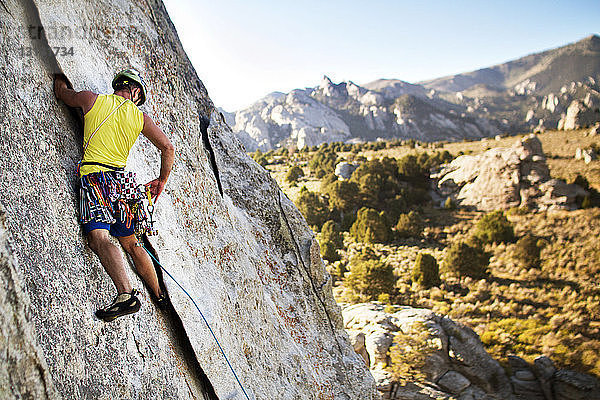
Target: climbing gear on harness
point(123, 304)
point(151, 231)
point(128, 76)
point(99, 199)
point(202, 315)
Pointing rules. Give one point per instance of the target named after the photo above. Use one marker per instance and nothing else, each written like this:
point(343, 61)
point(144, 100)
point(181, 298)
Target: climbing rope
point(205, 321)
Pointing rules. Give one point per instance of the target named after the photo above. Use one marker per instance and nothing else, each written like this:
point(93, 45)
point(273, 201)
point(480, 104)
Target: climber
point(112, 123)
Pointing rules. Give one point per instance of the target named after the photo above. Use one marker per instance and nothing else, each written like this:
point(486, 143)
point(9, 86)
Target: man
point(112, 124)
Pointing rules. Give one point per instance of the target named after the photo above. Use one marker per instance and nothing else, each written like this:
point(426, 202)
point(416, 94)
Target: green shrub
point(343, 195)
point(294, 174)
point(313, 207)
point(331, 241)
point(465, 259)
point(426, 271)
point(494, 228)
point(325, 159)
point(409, 352)
point(370, 227)
point(260, 158)
point(527, 251)
point(369, 278)
point(518, 211)
point(409, 225)
point(449, 204)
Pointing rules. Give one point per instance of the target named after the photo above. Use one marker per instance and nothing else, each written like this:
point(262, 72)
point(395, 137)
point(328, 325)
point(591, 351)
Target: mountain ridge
point(532, 92)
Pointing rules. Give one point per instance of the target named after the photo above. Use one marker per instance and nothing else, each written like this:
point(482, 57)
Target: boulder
point(344, 169)
point(571, 385)
point(587, 155)
point(459, 365)
point(579, 115)
point(501, 178)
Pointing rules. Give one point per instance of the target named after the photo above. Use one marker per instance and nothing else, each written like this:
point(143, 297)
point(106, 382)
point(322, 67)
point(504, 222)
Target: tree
point(409, 225)
point(325, 159)
point(331, 241)
point(369, 278)
point(260, 158)
point(343, 195)
point(294, 174)
point(426, 271)
point(370, 227)
point(527, 251)
point(465, 259)
point(494, 228)
point(313, 207)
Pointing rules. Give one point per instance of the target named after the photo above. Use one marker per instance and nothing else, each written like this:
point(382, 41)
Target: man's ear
point(137, 95)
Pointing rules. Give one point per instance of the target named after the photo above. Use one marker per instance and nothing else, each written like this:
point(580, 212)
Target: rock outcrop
point(580, 114)
point(345, 111)
point(501, 178)
point(459, 367)
point(227, 234)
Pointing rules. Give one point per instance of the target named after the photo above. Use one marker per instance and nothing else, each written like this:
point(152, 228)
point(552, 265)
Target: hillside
point(533, 92)
point(521, 306)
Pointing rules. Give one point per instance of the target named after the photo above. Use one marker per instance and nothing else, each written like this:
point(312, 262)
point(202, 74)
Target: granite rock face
point(227, 234)
point(501, 178)
point(24, 372)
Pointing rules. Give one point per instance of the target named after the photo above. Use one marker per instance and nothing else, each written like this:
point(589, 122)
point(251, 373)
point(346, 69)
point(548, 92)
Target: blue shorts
point(118, 229)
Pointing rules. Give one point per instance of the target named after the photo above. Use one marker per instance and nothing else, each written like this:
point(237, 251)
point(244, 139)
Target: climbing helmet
point(128, 76)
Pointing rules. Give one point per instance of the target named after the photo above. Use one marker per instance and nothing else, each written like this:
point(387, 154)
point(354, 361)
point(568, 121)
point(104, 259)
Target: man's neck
point(123, 93)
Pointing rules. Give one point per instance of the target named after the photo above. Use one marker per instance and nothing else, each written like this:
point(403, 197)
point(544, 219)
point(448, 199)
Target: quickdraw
point(151, 231)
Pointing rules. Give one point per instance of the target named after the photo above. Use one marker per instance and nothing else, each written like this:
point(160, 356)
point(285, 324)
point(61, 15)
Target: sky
point(244, 49)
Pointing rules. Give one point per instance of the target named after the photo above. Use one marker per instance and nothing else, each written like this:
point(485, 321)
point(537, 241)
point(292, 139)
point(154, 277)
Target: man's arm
point(167, 150)
point(84, 99)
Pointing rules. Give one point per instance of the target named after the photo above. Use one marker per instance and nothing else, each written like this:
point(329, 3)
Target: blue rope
point(205, 321)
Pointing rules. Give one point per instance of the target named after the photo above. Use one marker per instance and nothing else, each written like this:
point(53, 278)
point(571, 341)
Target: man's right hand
point(156, 188)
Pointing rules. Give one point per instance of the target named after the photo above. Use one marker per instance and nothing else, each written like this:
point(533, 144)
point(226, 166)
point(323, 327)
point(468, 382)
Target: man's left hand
point(156, 188)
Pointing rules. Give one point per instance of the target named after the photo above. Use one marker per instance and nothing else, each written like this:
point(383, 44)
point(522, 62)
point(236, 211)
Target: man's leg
point(110, 258)
point(142, 261)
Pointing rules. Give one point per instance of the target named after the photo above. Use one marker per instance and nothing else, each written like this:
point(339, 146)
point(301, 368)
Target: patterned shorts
point(101, 205)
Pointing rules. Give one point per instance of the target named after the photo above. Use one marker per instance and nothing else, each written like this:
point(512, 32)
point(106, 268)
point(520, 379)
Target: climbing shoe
point(162, 302)
point(125, 303)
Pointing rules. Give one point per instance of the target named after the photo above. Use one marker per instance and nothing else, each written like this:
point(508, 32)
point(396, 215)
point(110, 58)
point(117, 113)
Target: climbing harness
point(205, 321)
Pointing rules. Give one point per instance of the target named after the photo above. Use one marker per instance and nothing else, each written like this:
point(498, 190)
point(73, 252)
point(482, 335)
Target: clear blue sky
point(245, 49)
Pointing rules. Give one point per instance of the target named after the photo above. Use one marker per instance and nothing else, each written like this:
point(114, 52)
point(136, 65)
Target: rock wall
point(227, 233)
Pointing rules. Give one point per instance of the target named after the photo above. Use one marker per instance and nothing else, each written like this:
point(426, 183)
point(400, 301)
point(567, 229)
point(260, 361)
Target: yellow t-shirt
point(115, 138)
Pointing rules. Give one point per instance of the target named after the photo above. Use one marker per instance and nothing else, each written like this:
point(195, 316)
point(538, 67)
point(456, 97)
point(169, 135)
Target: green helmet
point(128, 76)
